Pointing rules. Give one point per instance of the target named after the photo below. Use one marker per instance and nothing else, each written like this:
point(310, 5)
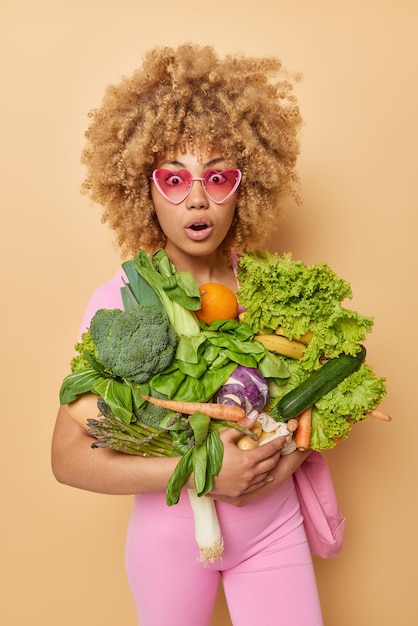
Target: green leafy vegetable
point(76, 383)
point(177, 291)
point(278, 291)
point(199, 423)
point(158, 347)
point(135, 344)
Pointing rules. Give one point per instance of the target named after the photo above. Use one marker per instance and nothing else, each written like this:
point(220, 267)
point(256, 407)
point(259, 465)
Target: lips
point(199, 228)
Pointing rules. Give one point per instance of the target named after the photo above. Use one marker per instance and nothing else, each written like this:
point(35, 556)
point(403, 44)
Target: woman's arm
point(244, 474)
point(102, 470)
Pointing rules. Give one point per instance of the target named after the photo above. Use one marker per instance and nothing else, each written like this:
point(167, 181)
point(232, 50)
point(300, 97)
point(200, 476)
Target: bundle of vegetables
point(142, 366)
point(296, 310)
point(166, 383)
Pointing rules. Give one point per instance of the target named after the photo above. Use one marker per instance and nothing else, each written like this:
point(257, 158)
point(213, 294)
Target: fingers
point(231, 434)
point(262, 458)
point(246, 472)
point(267, 449)
point(248, 494)
point(250, 420)
point(262, 468)
point(259, 481)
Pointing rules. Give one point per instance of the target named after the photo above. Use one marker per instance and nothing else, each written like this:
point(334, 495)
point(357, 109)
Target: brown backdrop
point(62, 549)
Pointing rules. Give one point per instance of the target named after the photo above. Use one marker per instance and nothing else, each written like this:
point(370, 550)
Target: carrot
point(303, 433)
point(292, 424)
point(378, 414)
point(228, 412)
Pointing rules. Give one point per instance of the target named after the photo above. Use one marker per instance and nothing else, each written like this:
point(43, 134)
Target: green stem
point(127, 447)
point(242, 429)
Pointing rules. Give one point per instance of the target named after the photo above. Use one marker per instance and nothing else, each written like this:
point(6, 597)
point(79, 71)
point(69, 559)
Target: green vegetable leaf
point(273, 366)
point(117, 395)
point(240, 330)
point(77, 383)
point(181, 287)
point(222, 360)
point(215, 451)
point(215, 378)
point(200, 458)
point(188, 347)
point(167, 382)
point(190, 388)
point(96, 365)
point(162, 263)
point(181, 443)
point(133, 278)
point(230, 342)
point(128, 297)
point(355, 396)
point(179, 477)
point(278, 291)
point(241, 358)
point(137, 289)
point(326, 428)
point(199, 423)
point(188, 284)
point(196, 370)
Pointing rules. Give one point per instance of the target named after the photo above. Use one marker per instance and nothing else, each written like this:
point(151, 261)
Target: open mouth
point(198, 227)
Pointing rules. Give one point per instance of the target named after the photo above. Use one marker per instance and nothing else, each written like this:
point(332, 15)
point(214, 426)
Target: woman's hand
point(247, 475)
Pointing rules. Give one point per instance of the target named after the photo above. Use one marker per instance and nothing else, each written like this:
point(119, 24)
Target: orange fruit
point(218, 303)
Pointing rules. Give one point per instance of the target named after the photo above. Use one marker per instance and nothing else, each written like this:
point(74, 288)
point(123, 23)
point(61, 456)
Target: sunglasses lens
point(174, 186)
point(219, 186)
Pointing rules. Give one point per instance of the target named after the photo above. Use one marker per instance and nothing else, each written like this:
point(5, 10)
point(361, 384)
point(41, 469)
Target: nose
point(197, 199)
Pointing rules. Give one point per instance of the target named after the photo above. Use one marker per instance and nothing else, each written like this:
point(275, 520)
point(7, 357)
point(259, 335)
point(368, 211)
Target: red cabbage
point(246, 388)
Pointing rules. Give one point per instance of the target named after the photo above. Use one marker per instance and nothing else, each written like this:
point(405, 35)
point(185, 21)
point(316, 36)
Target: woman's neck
point(213, 268)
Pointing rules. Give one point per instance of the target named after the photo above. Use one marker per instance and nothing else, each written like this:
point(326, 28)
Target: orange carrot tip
point(380, 415)
point(303, 432)
point(214, 410)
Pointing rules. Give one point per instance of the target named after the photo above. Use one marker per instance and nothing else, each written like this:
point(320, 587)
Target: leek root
point(207, 528)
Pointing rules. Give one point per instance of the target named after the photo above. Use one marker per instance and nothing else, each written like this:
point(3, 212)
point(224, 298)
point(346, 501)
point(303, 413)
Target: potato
point(246, 443)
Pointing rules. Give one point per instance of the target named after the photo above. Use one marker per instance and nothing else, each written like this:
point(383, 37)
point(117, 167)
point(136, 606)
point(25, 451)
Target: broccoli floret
point(150, 413)
point(135, 344)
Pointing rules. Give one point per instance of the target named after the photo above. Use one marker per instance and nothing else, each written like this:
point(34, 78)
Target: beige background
point(61, 549)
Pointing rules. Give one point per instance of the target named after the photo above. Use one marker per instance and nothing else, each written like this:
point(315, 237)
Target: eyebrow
point(208, 164)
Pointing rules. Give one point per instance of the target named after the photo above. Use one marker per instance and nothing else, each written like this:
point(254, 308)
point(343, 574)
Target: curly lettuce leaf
point(326, 431)
point(336, 412)
point(86, 345)
point(358, 394)
point(278, 291)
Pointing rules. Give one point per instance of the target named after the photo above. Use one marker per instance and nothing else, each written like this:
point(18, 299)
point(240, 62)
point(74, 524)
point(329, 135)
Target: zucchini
point(319, 383)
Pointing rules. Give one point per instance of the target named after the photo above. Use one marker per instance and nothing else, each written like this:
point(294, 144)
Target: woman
point(157, 149)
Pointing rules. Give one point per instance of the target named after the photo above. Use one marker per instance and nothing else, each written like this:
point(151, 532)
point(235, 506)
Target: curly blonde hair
point(186, 98)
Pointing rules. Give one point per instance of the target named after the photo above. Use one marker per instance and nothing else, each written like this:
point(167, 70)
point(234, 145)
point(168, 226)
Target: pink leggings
point(266, 568)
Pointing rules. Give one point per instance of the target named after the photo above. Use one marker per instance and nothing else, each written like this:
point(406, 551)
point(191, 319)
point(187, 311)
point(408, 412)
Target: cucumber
point(320, 382)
